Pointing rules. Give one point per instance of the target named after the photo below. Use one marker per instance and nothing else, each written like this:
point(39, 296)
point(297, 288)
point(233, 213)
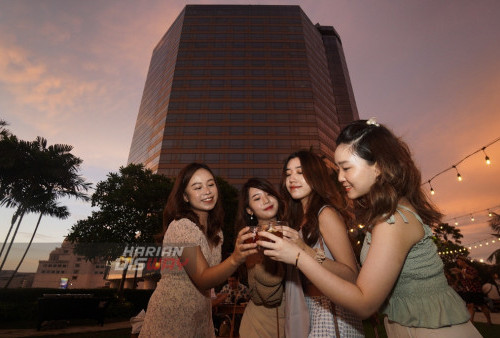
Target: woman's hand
point(242, 250)
point(279, 249)
point(290, 233)
point(294, 236)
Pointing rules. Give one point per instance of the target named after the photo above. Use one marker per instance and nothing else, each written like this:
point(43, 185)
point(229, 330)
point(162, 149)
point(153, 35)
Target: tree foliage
point(494, 223)
point(448, 241)
point(130, 205)
point(229, 195)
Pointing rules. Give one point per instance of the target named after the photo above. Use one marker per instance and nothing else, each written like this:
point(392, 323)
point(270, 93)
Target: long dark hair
point(323, 192)
point(243, 218)
point(399, 176)
point(177, 208)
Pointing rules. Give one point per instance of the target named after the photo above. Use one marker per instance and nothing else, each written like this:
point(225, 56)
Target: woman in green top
point(402, 273)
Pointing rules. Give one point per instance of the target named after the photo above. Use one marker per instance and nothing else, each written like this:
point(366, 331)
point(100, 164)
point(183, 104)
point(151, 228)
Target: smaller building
point(64, 269)
point(21, 279)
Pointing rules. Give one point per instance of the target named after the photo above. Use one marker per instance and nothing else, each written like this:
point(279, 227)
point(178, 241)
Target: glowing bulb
point(352, 230)
point(472, 218)
point(490, 214)
point(459, 177)
point(487, 243)
point(359, 242)
point(481, 260)
point(456, 223)
point(432, 189)
point(486, 158)
point(470, 248)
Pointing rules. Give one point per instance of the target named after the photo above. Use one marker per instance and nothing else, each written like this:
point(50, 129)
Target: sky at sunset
point(74, 71)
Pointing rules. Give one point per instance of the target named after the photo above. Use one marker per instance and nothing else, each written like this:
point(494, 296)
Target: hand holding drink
point(273, 227)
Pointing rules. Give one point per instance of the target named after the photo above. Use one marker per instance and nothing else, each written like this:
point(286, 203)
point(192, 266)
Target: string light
point(486, 158)
point(454, 166)
point(470, 246)
point(490, 212)
point(459, 177)
point(472, 218)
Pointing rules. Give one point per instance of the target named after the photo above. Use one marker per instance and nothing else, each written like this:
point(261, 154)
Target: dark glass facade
point(240, 88)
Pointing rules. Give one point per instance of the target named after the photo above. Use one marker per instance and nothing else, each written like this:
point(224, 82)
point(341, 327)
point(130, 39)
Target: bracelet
point(319, 256)
point(297, 259)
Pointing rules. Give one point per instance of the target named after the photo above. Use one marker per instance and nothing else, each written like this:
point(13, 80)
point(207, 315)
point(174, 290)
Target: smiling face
point(262, 205)
point(296, 183)
point(356, 174)
point(201, 192)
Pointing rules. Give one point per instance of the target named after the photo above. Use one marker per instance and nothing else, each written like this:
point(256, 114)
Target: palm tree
point(56, 176)
point(16, 166)
point(50, 209)
point(495, 225)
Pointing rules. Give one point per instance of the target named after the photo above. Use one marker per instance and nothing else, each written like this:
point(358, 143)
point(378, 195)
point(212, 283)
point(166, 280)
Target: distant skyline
point(74, 71)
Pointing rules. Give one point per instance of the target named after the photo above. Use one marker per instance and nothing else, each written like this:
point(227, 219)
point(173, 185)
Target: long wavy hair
point(243, 218)
point(323, 192)
point(399, 176)
point(178, 208)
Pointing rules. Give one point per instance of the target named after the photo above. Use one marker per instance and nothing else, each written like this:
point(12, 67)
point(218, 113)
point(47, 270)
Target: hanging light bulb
point(456, 223)
point(486, 158)
point(490, 214)
point(472, 218)
point(432, 189)
point(459, 177)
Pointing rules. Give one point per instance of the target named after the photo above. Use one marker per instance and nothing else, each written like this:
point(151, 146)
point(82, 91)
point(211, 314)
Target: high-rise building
point(240, 87)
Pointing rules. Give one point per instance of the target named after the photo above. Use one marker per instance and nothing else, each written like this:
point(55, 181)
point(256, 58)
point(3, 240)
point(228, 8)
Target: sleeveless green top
point(421, 296)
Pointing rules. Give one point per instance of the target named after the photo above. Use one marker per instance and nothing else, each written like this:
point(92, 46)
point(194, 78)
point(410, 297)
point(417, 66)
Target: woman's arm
point(206, 277)
point(389, 248)
point(334, 232)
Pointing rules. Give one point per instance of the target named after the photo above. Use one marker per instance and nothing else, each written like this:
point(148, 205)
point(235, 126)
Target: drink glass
point(254, 231)
point(273, 227)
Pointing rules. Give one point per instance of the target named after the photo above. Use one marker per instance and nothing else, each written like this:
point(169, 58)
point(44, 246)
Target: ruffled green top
point(421, 296)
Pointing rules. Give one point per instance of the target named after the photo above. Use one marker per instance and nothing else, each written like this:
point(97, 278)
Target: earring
point(251, 217)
